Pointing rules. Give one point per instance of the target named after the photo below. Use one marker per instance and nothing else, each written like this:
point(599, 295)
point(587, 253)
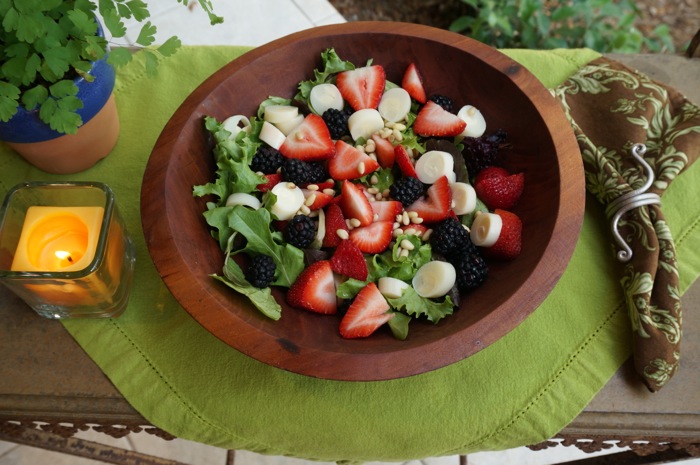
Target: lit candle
point(64, 249)
point(58, 238)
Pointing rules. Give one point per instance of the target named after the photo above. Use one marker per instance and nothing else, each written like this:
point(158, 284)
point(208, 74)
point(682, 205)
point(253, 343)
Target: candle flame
point(63, 255)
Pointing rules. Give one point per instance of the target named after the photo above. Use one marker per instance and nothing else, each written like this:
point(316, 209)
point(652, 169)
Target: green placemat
point(521, 390)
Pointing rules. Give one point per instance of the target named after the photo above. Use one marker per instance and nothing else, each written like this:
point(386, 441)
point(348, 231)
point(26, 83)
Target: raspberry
point(300, 231)
point(296, 171)
point(337, 122)
point(266, 160)
point(471, 269)
point(443, 101)
point(407, 190)
point(261, 271)
point(450, 236)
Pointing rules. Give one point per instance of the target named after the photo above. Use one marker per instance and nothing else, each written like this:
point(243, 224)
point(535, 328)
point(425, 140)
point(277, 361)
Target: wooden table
point(50, 389)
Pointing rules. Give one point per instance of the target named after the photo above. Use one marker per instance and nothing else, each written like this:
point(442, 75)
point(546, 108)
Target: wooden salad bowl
point(469, 72)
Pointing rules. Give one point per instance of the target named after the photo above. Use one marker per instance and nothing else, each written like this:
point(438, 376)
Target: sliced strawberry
point(322, 185)
point(497, 188)
point(310, 141)
point(384, 151)
point(509, 243)
point(416, 229)
point(374, 238)
point(386, 210)
point(272, 180)
point(335, 220)
point(320, 199)
point(349, 162)
point(412, 82)
point(404, 161)
point(362, 87)
point(314, 289)
point(367, 312)
point(348, 260)
point(435, 121)
point(437, 204)
point(355, 203)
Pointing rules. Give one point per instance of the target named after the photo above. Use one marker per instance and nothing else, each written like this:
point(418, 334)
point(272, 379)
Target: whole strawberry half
point(497, 188)
point(362, 87)
point(509, 243)
point(412, 82)
point(314, 289)
point(348, 162)
point(434, 121)
point(349, 261)
point(310, 141)
point(367, 312)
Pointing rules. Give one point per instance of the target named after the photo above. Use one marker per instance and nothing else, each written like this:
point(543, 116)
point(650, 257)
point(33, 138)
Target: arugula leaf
point(217, 218)
point(262, 299)
point(384, 176)
point(413, 304)
point(254, 225)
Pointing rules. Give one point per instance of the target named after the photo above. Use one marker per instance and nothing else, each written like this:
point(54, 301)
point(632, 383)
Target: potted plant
point(57, 76)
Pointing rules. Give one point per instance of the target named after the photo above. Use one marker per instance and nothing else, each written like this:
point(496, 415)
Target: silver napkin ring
point(631, 200)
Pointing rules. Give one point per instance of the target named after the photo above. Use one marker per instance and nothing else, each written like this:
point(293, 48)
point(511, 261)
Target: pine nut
point(343, 234)
point(329, 191)
point(305, 210)
point(312, 187)
point(406, 244)
point(361, 167)
point(354, 222)
point(310, 200)
point(374, 179)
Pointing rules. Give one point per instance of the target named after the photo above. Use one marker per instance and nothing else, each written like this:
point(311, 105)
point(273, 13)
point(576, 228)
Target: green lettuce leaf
point(413, 304)
point(254, 225)
point(262, 299)
point(332, 65)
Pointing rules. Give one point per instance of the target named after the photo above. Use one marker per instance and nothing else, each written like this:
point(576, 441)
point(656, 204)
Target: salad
point(364, 197)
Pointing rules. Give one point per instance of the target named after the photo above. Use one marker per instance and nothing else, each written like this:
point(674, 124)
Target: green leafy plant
point(602, 25)
point(46, 44)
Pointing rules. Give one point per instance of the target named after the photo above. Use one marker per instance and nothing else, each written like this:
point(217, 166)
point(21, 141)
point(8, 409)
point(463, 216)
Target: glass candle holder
point(64, 249)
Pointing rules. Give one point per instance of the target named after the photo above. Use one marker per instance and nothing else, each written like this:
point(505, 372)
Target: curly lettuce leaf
point(332, 65)
point(413, 304)
point(233, 157)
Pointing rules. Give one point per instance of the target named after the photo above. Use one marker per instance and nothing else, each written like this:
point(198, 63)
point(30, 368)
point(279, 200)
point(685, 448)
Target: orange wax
point(58, 238)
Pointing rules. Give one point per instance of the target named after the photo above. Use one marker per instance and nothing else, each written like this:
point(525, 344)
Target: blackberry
point(337, 122)
point(266, 160)
point(261, 271)
point(450, 236)
point(482, 152)
point(407, 190)
point(318, 172)
point(443, 101)
point(471, 269)
point(296, 171)
point(300, 231)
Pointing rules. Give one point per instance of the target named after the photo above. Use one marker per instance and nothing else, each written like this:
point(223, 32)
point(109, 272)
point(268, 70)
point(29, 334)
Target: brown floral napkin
point(612, 108)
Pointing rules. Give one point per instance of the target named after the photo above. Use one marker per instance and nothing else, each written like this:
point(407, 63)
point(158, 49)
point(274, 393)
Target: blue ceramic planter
point(59, 153)
point(25, 126)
